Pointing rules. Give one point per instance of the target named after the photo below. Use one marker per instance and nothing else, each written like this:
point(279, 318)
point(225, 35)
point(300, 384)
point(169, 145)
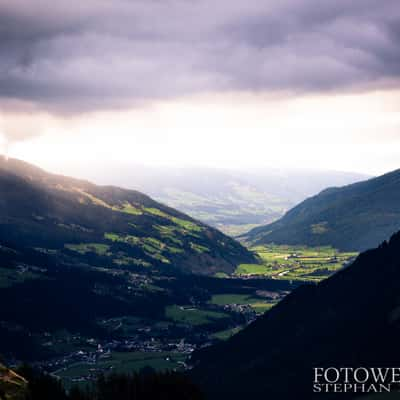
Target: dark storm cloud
point(82, 55)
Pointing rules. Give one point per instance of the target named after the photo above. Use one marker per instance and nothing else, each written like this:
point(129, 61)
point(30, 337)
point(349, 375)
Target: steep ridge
point(349, 320)
point(122, 227)
point(353, 217)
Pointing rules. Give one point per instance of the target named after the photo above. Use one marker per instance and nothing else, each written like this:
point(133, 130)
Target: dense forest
point(349, 319)
point(144, 385)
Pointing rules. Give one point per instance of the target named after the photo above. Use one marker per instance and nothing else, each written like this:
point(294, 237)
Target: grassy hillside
point(110, 225)
point(350, 319)
point(73, 255)
point(353, 217)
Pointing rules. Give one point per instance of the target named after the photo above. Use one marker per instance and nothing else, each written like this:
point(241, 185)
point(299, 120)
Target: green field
point(230, 298)
point(221, 275)
point(192, 316)
point(153, 247)
point(84, 248)
point(129, 209)
point(258, 304)
point(252, 269)
point(226, 334)
point(260, 307)
point(295, 262)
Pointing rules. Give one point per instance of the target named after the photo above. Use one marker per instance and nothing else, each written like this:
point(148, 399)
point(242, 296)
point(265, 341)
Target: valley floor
point(300, 263)
point(235, 301)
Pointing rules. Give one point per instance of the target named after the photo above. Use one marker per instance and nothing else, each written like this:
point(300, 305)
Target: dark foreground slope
point(12, 385)
point(352, 319)
point(353, 217)
point(122, 227)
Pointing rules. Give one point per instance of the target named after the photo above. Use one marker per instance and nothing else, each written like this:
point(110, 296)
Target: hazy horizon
point(102, 173)
point(288, 85)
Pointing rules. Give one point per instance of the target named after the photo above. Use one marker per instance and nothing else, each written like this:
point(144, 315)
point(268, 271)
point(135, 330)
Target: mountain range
point(73, 218)
point(354, 217)
point(232, 200)
point(73, 254)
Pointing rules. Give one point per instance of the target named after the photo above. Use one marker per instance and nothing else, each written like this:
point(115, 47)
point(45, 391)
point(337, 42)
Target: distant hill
point(75, 218)
point(349, 320)
point(353, 217)
point(233, 201)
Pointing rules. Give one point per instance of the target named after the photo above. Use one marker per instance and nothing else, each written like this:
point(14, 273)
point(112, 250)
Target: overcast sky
point(289, 83)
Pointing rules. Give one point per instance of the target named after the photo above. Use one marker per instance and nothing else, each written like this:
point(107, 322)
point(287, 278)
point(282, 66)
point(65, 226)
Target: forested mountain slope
point(353, 217)
point(351, 319)
point(124, 227)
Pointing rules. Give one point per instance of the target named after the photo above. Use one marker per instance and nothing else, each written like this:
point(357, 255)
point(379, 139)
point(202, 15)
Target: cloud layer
point(76, 55)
